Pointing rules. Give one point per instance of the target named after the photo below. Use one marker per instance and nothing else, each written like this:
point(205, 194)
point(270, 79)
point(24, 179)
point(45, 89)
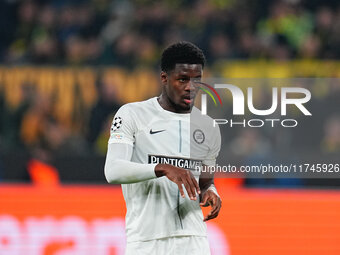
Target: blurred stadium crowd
point(62, 126)
point(132, 33)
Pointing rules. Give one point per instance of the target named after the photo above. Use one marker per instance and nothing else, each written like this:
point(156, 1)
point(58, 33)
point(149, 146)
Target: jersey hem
point(165, 236)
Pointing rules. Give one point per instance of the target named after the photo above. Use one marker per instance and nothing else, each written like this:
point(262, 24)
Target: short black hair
point(181, 53)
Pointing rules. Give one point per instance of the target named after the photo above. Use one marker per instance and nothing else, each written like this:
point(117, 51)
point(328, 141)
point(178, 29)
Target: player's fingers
point(204, 199)
point(197, 187)
point(191, 182)
point(180, 187)
point(210, 217)
point(188, 188)
point(216, 208)
point(214, 213)
point(213, 201)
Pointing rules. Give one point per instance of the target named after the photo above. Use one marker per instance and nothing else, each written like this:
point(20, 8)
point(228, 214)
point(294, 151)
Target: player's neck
point(167, 105)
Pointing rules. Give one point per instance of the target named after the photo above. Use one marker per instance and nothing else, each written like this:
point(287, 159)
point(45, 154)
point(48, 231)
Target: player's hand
point(209, 197)
point(181, 177)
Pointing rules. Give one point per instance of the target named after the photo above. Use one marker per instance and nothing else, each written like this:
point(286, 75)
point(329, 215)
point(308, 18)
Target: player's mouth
point(188, 99)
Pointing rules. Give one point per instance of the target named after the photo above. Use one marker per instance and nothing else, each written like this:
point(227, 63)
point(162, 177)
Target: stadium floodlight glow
point(239, 101)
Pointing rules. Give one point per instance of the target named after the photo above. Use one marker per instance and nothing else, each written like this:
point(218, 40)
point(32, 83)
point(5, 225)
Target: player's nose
point(191, 85)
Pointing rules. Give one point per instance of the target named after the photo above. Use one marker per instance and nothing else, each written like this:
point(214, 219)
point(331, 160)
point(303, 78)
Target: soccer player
point(154, 151)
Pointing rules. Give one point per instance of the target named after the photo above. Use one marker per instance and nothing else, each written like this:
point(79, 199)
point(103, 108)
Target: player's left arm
point(209, 195)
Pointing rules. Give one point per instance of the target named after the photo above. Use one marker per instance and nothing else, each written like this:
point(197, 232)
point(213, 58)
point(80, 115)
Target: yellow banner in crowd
point(70, 88)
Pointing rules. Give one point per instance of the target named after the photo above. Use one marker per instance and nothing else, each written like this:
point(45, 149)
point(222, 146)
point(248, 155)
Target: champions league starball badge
point(117, 123)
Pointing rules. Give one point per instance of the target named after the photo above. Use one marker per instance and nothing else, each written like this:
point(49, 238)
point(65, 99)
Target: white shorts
point(179, 245)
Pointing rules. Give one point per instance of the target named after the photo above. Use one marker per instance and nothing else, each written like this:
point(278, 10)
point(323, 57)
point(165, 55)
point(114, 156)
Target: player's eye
point(183, 80)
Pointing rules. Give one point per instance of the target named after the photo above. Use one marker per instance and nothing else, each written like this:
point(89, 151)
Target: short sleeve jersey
point(155, 208)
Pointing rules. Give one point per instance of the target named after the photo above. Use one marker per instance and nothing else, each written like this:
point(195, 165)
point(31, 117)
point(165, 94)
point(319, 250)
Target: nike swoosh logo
point(155, 132)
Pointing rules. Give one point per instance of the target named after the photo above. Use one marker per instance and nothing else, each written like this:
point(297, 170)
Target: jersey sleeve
point(123, 126)
point(215, 146)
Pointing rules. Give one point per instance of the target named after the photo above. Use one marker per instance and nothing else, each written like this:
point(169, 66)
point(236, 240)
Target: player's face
point(179, 86)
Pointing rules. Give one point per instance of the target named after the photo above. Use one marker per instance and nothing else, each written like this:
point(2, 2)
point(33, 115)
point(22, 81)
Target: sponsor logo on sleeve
point(118, 136)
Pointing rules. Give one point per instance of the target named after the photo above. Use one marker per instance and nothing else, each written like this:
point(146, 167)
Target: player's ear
point(164, 77)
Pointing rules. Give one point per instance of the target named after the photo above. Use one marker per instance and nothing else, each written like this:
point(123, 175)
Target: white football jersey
point(155, 208)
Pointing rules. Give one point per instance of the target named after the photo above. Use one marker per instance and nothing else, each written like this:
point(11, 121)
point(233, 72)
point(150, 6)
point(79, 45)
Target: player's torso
point(165, 137)
point(168, 138)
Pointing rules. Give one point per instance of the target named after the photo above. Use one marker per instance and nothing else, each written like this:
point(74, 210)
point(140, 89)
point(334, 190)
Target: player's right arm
point(119, 169)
